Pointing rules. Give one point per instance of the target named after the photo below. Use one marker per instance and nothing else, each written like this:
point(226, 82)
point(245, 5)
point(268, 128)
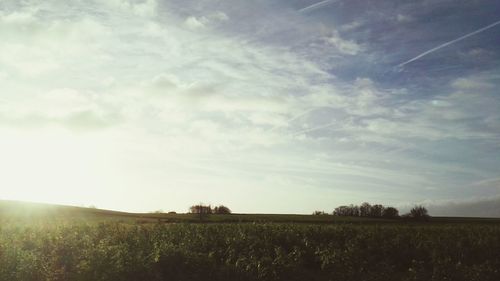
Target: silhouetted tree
point(353, 211)
point(340, 211)
point(390, 212)
point(319, 213)
point(201, 210)
point(376, 211)
point(222, 210)
point(365, 209)
point(418, 213)
point(350, 211)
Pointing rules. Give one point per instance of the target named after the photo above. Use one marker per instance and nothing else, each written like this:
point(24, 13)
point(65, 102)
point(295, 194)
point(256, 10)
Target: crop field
point(247, 251)
point(57, 243)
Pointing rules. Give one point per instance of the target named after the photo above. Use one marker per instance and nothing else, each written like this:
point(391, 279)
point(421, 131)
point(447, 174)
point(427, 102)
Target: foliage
point(418, 213)
point(366, 210)
point(221, 210)
point(156, 252)
point(390, 212)
point(200, 209)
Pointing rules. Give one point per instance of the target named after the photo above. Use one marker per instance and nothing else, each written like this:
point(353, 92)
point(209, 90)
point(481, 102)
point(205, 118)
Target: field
point(65, 243)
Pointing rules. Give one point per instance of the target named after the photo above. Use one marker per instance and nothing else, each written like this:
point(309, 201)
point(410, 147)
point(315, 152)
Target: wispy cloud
point(345, 47)
point(230, 100)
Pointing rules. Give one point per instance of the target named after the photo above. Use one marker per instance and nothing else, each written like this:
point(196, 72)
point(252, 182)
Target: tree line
point(376, 211)
point(202, 209)
point(364, 210)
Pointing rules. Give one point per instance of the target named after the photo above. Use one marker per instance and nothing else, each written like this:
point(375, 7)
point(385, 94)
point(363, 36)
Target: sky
point(266, 106)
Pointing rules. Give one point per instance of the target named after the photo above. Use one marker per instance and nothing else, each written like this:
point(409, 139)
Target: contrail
point(399, 66)
point(306, 112)
point(316, 6)
point(315, 128)
point(293, 118)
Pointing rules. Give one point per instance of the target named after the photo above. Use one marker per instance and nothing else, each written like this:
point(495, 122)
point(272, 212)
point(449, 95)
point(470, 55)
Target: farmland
point(67, 243)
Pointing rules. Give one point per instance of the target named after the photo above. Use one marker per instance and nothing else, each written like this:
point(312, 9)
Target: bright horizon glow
point(289, 107)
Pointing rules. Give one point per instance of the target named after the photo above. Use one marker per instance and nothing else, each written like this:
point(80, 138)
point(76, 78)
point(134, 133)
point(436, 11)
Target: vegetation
point(200, 209)
point(207, 210)
point(222, 210)
point(123, 251)
point(56, 244)
point(418, 213)
point(390, 212)
point(366, 210)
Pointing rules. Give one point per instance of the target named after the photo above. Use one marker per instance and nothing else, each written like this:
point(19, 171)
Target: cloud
point(143, 8)
point(481, 207)
point(164, 82)
point(33, 46)
point(351, 26)
point(472, 83)
point(17, 19)
point(63, 107)
point(493, 182)
point(246, 94)
point(346, 47)
point(194, 23)
point(404, 18)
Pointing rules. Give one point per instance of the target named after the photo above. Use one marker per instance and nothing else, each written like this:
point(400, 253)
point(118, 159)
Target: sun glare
point(50, 167)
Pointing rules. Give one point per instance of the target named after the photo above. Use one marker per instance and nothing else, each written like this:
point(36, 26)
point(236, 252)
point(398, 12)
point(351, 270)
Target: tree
point(319, 213)
point(353, 211)
point(365, 209)
point(390, 212)
point(201, 210)
point(418, 213)
point(221, 210)
point(340, 211)
point(347, 211)
point(376, 211)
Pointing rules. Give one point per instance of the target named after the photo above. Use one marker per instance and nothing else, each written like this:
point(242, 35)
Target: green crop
point(149, 252)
